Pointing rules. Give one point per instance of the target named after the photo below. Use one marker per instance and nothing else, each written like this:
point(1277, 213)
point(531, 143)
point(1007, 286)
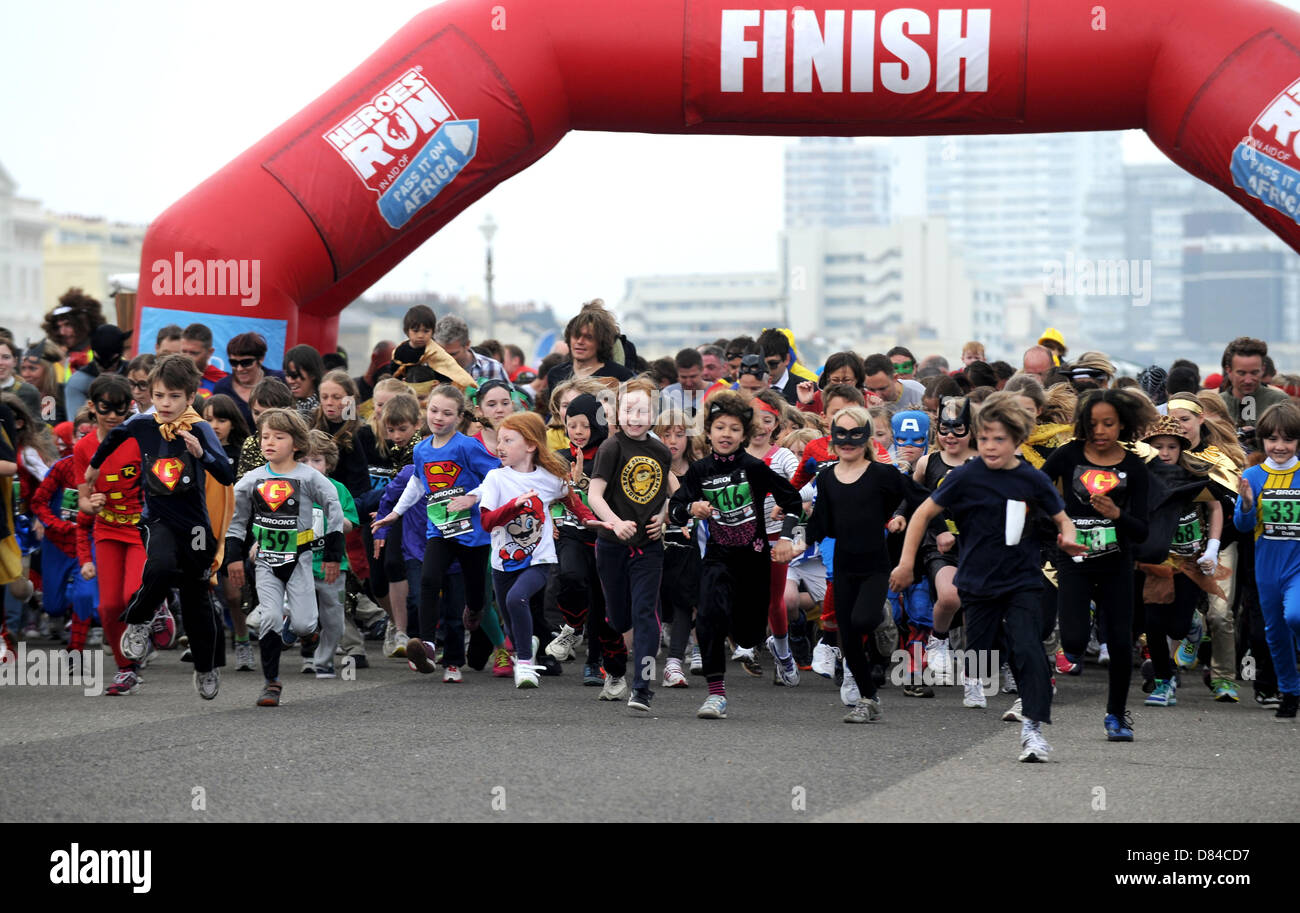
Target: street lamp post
point(489, 229)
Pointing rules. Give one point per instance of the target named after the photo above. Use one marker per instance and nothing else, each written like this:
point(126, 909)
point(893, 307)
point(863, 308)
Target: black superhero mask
point(850, 437)
point(954, 416)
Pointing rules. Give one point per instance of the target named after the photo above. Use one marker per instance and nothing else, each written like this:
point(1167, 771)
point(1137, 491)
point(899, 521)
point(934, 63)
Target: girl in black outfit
point(856, 501)
point(1105, 488)
point(727, 489)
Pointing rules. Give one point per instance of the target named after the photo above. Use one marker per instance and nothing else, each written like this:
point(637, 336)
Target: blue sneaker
point(1190, 645)
point(591, 675)
point(1117, 729)
point(1163, 694)
point(714, 708)
point(286, 634)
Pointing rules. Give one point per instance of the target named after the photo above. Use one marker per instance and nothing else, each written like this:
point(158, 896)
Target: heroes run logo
point(78, 866)
point(405, 144)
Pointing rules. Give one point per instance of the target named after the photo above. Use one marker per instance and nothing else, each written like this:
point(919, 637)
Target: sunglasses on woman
point(104, 408)
point(295, 375)
point(242, 362)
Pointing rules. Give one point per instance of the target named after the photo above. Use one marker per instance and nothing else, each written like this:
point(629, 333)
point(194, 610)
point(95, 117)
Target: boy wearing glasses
point(117, 559)
point(177, 449)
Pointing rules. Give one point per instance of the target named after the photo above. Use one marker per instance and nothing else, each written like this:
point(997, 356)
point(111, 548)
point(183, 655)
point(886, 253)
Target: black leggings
point(1108, 581)
point(861, 601)
point(582, 603)
point(171, 560)
point(1172, 619)
point(734, 589)
point(678, 594)
point(438, 556)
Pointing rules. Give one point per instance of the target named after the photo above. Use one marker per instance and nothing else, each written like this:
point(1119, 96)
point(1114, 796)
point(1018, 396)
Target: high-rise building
point(22, 289)
point(836, 182)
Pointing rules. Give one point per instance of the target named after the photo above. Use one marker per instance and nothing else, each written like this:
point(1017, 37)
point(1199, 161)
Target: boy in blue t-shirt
point(999, 573)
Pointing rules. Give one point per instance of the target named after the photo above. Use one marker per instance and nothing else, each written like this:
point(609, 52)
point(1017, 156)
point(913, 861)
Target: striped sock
point(719, 687)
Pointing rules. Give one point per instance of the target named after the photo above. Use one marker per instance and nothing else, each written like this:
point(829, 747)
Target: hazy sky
point(117, 109)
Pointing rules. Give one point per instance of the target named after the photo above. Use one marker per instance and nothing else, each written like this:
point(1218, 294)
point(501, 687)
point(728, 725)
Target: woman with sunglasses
point(9, 382)
point(303, 371)
point(244, 354)
point(117, 559)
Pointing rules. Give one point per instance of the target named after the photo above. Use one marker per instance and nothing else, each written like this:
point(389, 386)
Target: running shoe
point(1162, 695)
point(419, 656)
point(592, 676)
point(287, 635)
point(940, 660)
point(1016, 714)
point(866, 710)
point(309, 664)
point(615, 689)
point(640, 700)
point(823, 659)
point(1033, 747)
point(1267, 699)
point(974, 694)
point(244, 656)
point(562, 647)
point(713, 708)
point(697, 661)
point(525, 676)
point(784, 670)
point(149, 653)
point(378, 630)
point(96, 637)
point(162, 630)
point(1225, 692)
point(207, 683)
point(748, 657)
point(1094, 647)
point(917, 690)
point(326, 672)
point(125, 682)
point(270, 696)
point(390, 641)
point(673, 677)
point(1189, 646)
point(1287, 707)
point(1008, 680)
point(801, 650)
point(1065, 666)
point(402, 640)
point(451, 675)
point(849, 692)
point(135, 642)
point(1103, 655)
point(1117, 729)
point(549, 666)
point(1148, 676)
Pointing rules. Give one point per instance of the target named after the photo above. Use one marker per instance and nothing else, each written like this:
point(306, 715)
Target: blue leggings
point(1279, 601)
point(515, 591)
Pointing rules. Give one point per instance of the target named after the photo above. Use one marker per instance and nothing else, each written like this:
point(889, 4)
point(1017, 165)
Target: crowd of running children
point(887, 518)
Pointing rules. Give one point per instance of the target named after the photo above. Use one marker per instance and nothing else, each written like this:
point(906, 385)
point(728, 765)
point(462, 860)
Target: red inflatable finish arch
point(473, 91)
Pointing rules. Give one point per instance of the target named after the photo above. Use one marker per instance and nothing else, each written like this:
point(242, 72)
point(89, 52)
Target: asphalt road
point(396, 746)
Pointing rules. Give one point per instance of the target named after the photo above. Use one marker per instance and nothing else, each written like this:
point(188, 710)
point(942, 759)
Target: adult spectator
point(930, 367)
point(737, 349)
point(1037, 362)
point(492, 348)
point(539, 389)
point(981, 374)
point(168, 340)
point(663, 371)
point(10, 382)
point(904, 362)
point(70, 325)
point(1054, 342)
point(1091, 371)
point(1153, 382)
point(196, 345)
point(40, 369)
point(514, 362)
point(1003, 371)
point(244, 354)
point(1246, 397)
point(843, 368)
point(713, 363)
point(896, 394)
point(452, 333)
point(107, 343)
point(591, 336)
point(380, 356)
point(303, 370)
point(691, 389)
point(778, 356)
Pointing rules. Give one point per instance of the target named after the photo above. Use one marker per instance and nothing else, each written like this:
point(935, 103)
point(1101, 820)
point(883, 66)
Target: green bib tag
point(450, 523)
point(1279, 510)
point(1187, 538)
point(1100, 540)
point(733, 504)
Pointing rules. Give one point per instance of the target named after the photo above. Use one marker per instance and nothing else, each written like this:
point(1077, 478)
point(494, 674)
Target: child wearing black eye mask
point(856, 501)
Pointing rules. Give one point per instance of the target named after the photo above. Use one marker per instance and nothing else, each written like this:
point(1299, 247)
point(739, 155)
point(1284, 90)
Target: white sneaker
point(974, 694)
point(402, 640)
point(525, 675)
point(451, 675)
point(1103, 655)
point(784, 670)
point(1008, 680)
point(1034, 748)
point(561, 648)
point(244, 656)
point(697, 661)
point(615, 689)
point(866, 710)
point(849, 692)
point(1015, 714)
point(390, 640)
point(673, 677)
point(940, 660)
point(823, 661)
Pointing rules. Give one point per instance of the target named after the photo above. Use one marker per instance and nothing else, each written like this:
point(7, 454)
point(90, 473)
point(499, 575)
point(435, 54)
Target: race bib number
point(1279, 509)
point(276, 546)
point(380, 476)
point(1100, 539)
point(563, 517)
point(450, 523)
point(733, 503)
point(1187, 538)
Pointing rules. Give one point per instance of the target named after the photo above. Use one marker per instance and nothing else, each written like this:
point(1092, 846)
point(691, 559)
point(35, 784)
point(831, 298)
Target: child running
point(680, 589)
point(323, 456)
point(727, 488)
point(999, 574)
point(515, 500)
point(275, 501)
